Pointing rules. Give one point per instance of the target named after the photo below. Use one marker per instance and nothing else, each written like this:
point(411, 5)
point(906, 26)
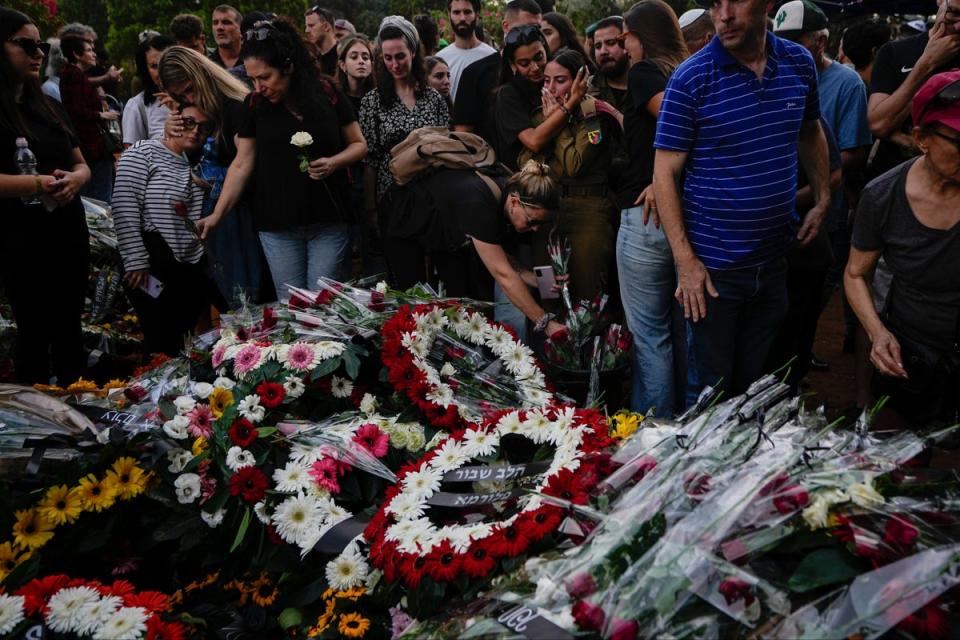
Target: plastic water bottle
point(27, 165)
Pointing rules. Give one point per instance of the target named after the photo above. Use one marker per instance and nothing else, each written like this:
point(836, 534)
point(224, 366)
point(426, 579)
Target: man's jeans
point(302, 255)
point(731, 344)
point(647, 284)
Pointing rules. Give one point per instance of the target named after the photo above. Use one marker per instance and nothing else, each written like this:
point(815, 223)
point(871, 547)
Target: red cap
point(926, 109)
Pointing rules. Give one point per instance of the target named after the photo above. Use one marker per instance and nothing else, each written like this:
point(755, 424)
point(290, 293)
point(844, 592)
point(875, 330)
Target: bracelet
point(542, 323)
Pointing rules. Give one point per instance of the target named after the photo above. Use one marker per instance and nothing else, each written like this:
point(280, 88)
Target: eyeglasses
point(531, 223)
point(31, 47)
point(946, 97)
point(261, 31)
point(189, 124)
point(525, 34)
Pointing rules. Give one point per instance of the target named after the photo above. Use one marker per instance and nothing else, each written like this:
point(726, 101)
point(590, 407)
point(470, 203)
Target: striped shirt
point(741, 138)
point(152, 184)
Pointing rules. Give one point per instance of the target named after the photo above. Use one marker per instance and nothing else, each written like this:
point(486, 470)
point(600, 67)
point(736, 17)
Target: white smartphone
point(153, 287)
point(546, 281)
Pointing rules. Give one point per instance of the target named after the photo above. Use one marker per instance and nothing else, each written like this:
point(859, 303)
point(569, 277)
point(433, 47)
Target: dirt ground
point(835, 388)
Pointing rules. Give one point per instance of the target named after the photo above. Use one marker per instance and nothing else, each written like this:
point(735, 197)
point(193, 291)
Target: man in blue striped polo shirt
point(734, 121)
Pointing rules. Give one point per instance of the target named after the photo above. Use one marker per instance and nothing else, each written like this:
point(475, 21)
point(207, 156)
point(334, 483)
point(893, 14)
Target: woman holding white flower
point(299, 135)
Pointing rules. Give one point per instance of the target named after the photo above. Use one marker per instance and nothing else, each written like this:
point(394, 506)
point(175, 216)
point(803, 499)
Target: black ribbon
point(527, 621)
point(467, 500)
point(336, 539)
point(106, 416)
point(86, 442)
point(497, 472)
point(805, 456)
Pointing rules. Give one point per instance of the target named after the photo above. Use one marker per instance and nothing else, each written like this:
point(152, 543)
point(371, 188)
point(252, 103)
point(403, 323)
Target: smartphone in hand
point(152, 287)
point(546, 282)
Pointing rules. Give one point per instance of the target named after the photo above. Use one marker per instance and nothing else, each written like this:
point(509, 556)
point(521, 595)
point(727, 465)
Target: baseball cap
point(938, 100)
point(343, 23)
point(797, 17)
point(691, 16)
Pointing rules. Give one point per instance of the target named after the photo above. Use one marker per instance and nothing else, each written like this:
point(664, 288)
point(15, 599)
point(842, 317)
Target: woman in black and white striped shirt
point(156, 204)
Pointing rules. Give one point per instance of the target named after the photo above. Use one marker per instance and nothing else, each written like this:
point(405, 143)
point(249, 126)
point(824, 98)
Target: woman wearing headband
point(402, 102)
point(302, 194)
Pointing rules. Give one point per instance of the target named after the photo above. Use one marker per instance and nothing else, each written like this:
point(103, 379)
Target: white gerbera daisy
point(294, 386)
point(297, 518)
point(418, 536)
point(251, 409)
point(441, 394)
point(449, 456)
point(347, 570)
point(184, 404)
point(509, 423)
point(447, 370)
point(535, 396)
point(95, 614)
point(124, 624)
point(293, 478)
point(188, 487)
point(238, 458)
point(11, 612)
point(478, 443)
point(305, 453)
point(498, 340)
point(517, 358)
point(327, 349)
point(66, 608)
point(476, 327)
point(340, 387)
point(406, 506)
point(459, 538)
point(436, 319)
point(422, 483)
point(416, 438)
point(176, 428)
point(178, 459)
point(260, 510)
point(213, 520)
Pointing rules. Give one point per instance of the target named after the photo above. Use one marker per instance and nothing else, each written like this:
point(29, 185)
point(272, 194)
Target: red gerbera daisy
point(38, 592)
point(271, 394)
point(537, 524)
point(412, 569)
point(120, 588)
point(242, 433)
point(152, 601)
point(157, 629)
point(570, 486)
point(443, 565)
point(250, 483)
point(478, 563)
point(508, 542)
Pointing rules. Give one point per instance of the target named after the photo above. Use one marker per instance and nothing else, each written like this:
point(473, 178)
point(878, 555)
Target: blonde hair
point(211, 83)
point(535, 186)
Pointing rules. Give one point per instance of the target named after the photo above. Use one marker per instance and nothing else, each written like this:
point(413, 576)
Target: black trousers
point(187, 293)
point(44, 264)
point(462, 272)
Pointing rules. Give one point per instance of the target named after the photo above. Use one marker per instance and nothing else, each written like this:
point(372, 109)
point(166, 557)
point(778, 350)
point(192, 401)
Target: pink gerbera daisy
point(324, 472)
point(201, 421)
point(219, 353)
point(301, 357)
point(371, 438)
point(247, 359)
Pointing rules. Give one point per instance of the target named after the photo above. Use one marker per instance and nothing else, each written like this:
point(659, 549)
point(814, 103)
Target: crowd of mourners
point(717, 174)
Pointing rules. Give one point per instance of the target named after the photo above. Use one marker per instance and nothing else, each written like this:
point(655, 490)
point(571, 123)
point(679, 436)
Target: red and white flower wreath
point(407, 546)
point(408, 338)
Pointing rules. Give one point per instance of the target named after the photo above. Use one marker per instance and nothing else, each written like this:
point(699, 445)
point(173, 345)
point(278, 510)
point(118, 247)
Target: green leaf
point(823, 567)
point(352, 364)
point(218, 501)
point(242, 531)
point(289, 618)
point(309, 594)
point(263, 432)
point(325, 368)
point(191, 466)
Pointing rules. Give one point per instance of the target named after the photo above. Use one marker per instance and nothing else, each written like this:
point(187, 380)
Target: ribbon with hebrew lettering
point(527, 621)
point(496, 472)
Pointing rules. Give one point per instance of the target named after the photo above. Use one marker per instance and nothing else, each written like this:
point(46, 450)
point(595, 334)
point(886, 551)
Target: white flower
point(562, 618)
point(347, 570)
point(178, 459)
point(214, 519)
point(447, 370)
point(340, 387)
point(184, 404)
point(459, 538)
point(442, 395)
point(251, 409)
point(95, 614)
point(202, 389)
point(535, 396)
point(422, 483)
point(398, 436)
point(476, 327)
point(509, 423)
point(260, 510)
point(498, 340)
point(381, 287)
point(368, 405)
point(450, 455)
point(293, 478)
point(66, 608)
point(816, 514)
point(297, 519)
point(238, 458)
point(406, 506)
point(294, 386)
point(304, 453)
point(224, 382)
point(188, 487)
point(864, 495)
point(11, 612)
point(327, 349)
point(479, 443)
point(434, 441)
point(415, 344)
point(517, 358)
point(176, 428)
point(124, 624)
point(301, 139)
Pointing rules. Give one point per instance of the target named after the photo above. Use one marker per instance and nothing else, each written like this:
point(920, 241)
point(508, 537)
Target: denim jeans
point(235, 256)
point(302, 255)
point(506, 313)
point(732, 342)
point(647, 284)
point(100, 186)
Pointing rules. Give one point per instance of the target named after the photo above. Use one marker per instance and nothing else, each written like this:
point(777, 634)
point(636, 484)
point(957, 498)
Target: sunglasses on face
point(522, 35)
point(189, 124)
point(31, 47)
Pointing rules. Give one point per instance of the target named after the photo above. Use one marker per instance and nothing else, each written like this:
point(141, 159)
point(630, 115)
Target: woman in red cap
point(908, 216)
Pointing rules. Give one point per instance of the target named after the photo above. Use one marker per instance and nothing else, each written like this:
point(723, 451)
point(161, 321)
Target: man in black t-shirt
point(319, 25)
point(473, 105)
point(900, 69)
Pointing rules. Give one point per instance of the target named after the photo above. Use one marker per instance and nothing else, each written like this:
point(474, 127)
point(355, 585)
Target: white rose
point(188, 488)
point(301, 139)
point(864, 495)
point(184, 404)
point(214, 519)
point(447, 370)
point(224, 383)
point(369, 404)
point(177, 427)
point(381, 287)
point(202, 390)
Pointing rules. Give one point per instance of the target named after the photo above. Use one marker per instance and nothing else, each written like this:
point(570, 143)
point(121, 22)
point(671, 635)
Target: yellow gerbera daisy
point(81, 386)
point(353, 625)
point(352, 593)
point(219, 400)
point(199, 446)
point(263, 592)
point(625, 424)
point(116, 383)
point(10, 559)
point(31, 530)
point(129, 479)
point(97, 494)
point(61, 505)
point(323, 622)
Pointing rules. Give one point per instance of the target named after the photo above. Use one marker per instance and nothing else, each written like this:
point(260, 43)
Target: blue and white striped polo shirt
point(741, 135)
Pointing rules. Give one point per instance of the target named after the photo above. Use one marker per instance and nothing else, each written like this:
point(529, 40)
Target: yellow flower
point(353, 625)
point(31, 530)
point(263, 592)
point(81, 386)
point(10, 559)
point(199, 446)
point(323, 622)
point(129, 479)
point(61, 505)
point(353, 593)
point(625, 424)
point(115, 384)
point(202, 584)
point(219, 400)
point(48, 388)
point(96, 494)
